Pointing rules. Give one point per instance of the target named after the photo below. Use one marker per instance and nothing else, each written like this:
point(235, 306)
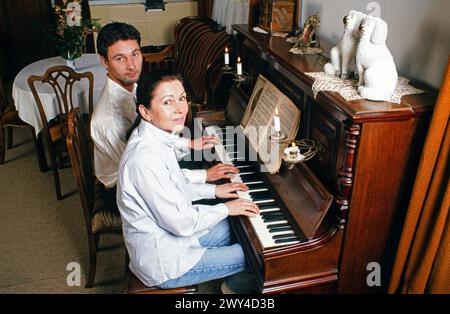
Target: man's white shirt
point(114, 114)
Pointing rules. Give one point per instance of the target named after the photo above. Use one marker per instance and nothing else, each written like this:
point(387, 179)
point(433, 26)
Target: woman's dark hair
point(148, 82)
point(113, 32)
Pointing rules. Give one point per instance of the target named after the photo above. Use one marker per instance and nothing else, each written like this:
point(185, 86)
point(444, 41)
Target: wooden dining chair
point(62, 80)
point(99, 205)
point(9, 117)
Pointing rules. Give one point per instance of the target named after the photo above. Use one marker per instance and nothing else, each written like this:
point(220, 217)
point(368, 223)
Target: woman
point(172, 243)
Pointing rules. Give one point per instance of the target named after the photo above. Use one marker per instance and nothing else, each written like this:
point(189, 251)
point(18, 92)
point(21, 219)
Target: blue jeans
point(220, 260)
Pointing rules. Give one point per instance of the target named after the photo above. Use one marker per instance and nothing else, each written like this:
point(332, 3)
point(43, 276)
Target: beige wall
point(419, 31)
point(156, 27)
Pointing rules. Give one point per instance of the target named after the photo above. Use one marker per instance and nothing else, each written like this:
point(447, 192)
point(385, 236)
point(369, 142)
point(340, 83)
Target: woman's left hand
point(221, 171)
point(228, 190)
point(203, 142)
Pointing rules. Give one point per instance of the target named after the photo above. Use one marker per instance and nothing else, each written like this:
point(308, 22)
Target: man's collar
point(117, 90)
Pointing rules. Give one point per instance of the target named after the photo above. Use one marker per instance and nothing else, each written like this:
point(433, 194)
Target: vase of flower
point(71, 56)
point(71, 30)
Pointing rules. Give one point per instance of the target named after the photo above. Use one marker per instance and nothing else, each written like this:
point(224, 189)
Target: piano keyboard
point(271, 225)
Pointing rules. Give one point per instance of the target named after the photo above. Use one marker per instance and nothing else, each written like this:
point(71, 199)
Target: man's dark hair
point(113, 32)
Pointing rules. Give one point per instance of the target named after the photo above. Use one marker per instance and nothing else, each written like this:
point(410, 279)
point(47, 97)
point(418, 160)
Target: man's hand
point(221, 171)
point(242, 207)
point(228, 190)
point(203, 142)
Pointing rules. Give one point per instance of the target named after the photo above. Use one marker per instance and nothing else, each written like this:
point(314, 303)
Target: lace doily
point(349, 88)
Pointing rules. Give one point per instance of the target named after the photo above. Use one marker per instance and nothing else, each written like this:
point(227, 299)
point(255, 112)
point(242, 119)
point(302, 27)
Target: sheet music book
point(257, 123)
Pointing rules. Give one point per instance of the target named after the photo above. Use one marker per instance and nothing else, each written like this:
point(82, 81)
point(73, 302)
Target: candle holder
point(244, 78)
point(304, 150)
point(227, 69)
point(278, 136)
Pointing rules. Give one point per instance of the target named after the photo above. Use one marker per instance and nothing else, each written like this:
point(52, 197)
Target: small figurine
point(344, 53)
point(309, 38)
point(375, 64)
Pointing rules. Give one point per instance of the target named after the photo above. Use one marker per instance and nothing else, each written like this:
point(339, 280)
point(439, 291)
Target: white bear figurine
point(374, 62)
point(343, 54)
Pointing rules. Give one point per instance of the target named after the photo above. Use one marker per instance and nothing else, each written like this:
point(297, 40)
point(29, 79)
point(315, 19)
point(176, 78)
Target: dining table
point(26, 104)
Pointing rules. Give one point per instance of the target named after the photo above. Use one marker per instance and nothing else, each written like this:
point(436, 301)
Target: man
point(119, 47)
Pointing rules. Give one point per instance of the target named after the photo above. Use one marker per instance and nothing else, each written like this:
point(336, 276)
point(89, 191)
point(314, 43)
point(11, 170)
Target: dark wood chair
point(134, 286)
point(61, 79)
point(197, 56)
point(9, 117)
point(99, 205)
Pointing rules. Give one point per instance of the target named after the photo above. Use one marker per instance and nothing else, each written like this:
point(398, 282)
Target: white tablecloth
point(24, 100)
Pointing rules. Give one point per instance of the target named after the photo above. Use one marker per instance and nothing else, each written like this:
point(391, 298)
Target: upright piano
point(327, 224)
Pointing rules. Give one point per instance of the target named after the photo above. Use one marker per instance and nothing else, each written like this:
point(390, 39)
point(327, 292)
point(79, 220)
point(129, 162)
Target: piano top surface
point(359, 110)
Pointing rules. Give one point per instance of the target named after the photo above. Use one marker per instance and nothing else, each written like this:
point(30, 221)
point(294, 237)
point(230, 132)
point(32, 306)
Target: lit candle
point(239, 66)
point(227, 56)
point(276, 121)
point(294, 150)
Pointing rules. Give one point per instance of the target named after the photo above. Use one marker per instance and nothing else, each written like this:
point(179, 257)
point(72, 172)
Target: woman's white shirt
point(161, 226)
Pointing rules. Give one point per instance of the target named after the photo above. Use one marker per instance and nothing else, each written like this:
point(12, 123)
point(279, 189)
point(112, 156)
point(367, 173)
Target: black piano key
point(246, 178)
point(278, 225)
point(267, 205)
point(274, 230)
point(261, 194)
point(286, 240)
point(272, 214)
point(261, 197)
point(271, 219)
point(274, 219)
point(257, 186)
point(285, 236)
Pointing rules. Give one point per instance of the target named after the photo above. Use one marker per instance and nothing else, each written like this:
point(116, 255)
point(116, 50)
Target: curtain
point(422, 262)
point(205, 8)
point(229, 12)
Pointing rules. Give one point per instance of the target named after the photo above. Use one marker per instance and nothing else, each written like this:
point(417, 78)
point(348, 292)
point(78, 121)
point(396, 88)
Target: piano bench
point(135, 286)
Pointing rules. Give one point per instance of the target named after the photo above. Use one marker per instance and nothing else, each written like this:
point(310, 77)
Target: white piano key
point(244, 195)
point(264, 201)
point(243, 166)
point(260, 227)
point(269, 210)
point(283, 232)
point(245, 173)
point(253, 182)
point(258, 190)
